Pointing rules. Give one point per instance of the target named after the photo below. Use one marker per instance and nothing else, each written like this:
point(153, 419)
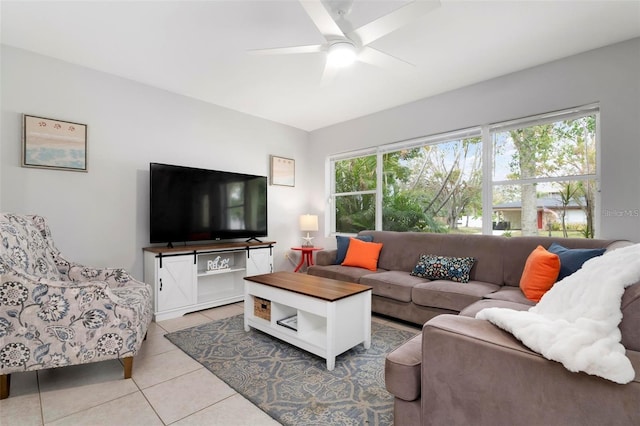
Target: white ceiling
point(200, 48)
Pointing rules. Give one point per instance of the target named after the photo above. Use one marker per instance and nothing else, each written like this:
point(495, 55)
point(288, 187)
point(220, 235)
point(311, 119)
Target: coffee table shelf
point(327, 326)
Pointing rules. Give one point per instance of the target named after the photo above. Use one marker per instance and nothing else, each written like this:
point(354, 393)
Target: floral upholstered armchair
point(54, 312)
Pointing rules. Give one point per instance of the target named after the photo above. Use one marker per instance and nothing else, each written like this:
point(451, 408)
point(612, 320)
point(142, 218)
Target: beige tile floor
point(167, 388)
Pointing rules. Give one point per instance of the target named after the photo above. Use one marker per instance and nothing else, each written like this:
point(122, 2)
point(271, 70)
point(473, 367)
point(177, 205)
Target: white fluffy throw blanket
point(576, 322)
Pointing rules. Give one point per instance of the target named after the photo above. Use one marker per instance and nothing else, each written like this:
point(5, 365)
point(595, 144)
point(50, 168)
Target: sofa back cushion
point(401, 251)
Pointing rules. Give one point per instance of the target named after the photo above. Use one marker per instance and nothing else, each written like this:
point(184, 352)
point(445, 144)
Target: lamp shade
point(309, 222)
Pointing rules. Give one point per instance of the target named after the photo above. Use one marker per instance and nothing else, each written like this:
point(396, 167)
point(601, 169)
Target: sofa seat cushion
point(338, 272)
point(473, 309)
point(395, 285)
point(510, 294)
point(402, 369)
point(450, 295)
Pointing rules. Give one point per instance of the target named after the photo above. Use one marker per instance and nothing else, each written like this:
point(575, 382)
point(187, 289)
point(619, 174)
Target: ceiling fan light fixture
point(341, 54)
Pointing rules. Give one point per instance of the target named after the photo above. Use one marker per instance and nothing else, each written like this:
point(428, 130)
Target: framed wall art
point(54, 144)
point(283, 171)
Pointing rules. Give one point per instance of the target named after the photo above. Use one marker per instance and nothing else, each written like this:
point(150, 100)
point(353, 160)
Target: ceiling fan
point(343, 49)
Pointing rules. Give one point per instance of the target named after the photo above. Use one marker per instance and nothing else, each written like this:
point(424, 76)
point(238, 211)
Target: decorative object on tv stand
point(308, 222)
point(54, 144)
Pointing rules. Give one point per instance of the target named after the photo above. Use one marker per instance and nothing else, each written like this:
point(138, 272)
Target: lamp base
point(307, 241)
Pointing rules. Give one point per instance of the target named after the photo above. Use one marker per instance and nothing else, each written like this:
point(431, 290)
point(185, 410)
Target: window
point(541, 179)
point(544, 176)
point(355, 182)
point(434, 187)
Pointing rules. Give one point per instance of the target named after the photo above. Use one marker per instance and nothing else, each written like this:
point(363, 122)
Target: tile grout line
point(86, 409)
point(149, 402)
point(204, 408)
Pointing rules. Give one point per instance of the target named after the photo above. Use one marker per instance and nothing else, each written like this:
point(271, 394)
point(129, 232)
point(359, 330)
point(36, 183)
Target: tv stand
point(194, 277)
point(253, 239)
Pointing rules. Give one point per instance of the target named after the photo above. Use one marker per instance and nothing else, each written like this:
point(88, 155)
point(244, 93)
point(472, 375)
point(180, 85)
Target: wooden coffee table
point(323, 316)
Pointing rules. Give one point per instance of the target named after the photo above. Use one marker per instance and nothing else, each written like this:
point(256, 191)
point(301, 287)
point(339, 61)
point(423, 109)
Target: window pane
point(435, 188)
point(559, 209)
point(563, 148)
point(355, 174)
point(355, 213)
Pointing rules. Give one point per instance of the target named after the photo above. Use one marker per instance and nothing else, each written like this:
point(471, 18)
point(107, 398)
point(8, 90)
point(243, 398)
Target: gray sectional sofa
point(462, 370)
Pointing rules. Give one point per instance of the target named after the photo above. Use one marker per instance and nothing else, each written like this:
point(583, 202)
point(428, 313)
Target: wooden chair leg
point(5, 384)
point(128, 366)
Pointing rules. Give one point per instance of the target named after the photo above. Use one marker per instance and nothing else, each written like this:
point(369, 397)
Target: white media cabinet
point(195, 277)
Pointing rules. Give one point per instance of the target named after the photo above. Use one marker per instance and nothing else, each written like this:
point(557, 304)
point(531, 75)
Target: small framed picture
point(283, 171)
point(54, 144)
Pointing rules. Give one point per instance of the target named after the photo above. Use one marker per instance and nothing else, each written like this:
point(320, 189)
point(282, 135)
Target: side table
point(307, 255)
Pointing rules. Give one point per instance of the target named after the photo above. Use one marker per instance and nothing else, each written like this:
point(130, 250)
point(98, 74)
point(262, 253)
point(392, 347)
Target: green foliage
point(355, 213)
point(404, 213)
point(356, 174)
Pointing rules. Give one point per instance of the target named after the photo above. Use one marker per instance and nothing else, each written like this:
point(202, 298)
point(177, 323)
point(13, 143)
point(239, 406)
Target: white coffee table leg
point(367, 320)
point(331, 336)
point(247, 303)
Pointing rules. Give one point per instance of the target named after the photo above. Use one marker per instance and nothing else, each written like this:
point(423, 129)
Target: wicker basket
point(262, 308)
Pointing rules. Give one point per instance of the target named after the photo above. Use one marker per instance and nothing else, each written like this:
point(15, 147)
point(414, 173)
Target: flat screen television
point(190, 204)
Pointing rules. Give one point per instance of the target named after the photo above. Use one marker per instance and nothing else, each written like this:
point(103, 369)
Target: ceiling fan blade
point(322, 19)
point(328, 75)
point(380, 59)
point(392, 21)
point(315, 48)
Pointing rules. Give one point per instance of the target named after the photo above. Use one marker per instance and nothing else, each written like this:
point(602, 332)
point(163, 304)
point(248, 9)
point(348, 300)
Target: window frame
point(485, 132)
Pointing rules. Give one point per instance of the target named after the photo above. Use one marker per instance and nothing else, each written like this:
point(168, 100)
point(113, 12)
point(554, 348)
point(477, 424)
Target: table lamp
point(308, 222)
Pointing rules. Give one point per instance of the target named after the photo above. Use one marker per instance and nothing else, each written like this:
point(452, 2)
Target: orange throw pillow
point(540, 273)
point(362, 254)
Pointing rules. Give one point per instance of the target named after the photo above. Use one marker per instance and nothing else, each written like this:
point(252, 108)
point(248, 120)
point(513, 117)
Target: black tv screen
point(190, 204)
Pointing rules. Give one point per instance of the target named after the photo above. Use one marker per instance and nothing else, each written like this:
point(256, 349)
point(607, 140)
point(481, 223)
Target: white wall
point(100, 218)
point(609, 75)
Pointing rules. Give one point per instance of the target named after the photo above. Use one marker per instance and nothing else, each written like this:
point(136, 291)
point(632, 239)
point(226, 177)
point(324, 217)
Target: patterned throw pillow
point(435, 267)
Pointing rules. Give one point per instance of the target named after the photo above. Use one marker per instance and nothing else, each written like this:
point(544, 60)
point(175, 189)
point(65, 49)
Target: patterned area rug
point(294, 386)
